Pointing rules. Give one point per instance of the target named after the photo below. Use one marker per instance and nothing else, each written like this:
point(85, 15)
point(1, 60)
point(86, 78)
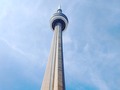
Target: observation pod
point(59, 17)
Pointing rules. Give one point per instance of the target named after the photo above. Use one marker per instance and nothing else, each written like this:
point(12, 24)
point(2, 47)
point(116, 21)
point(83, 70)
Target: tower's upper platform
point(59, 17)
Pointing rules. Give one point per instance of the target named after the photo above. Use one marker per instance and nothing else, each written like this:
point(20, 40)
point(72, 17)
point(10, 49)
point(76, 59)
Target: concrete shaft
point(54, 74)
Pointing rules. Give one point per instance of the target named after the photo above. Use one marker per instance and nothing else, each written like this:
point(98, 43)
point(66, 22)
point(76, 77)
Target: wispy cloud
point(98, 82)
point(18, 50)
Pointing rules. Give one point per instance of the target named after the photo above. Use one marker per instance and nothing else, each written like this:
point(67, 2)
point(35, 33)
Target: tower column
point(59, 82)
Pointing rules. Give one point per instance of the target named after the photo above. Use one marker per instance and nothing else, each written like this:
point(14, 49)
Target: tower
point(54, 74)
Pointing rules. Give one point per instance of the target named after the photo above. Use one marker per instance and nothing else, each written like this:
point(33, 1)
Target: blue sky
point(91, 43)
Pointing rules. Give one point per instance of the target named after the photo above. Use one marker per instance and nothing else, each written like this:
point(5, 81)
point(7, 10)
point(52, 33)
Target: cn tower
point(54, 74)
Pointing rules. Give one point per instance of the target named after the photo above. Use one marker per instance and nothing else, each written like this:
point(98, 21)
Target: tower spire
point(59, 7)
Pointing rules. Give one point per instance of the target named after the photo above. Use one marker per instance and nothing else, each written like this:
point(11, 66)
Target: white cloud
point(98, 82)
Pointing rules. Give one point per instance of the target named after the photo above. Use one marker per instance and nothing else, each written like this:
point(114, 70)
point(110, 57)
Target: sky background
point(91, 43)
